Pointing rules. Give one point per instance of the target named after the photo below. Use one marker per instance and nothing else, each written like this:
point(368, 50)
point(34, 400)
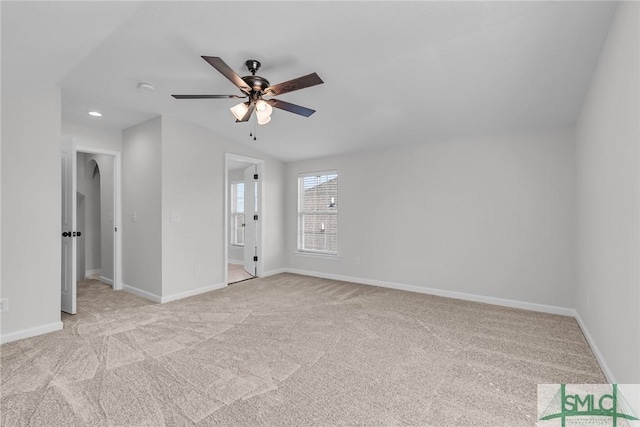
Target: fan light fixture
point(263, 120)
point(240, 110)
point(263, 108)
point(263, 112)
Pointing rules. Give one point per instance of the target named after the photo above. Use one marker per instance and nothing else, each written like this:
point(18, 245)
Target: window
point(318, 213)
point(237, 214)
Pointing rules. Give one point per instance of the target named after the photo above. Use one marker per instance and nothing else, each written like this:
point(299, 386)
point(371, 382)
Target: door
point(250, 224)
point(68, 282)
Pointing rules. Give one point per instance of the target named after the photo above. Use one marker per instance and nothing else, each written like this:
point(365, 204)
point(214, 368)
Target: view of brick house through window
point(237, 214)
point(318, 212)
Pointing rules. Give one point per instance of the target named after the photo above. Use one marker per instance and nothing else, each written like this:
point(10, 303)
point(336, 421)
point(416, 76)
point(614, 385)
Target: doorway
point(91, 188)
point(243, 217)
point(95, 213)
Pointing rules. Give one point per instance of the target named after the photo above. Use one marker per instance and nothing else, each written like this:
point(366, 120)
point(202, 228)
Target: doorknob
point(66, 234)
point(77, 233)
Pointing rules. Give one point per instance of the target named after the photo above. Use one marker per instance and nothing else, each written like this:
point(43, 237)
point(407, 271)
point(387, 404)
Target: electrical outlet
point(4, 304)
point(196, 270)
point(356, 260)
point(135, 217)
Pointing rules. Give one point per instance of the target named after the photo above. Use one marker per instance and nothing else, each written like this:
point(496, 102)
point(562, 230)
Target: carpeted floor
point(290, 350)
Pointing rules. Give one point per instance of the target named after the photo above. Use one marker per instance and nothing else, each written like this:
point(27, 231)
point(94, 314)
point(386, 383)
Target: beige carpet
point(292, 351)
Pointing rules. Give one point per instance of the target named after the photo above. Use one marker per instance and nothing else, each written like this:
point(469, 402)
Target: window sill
point(317, 255)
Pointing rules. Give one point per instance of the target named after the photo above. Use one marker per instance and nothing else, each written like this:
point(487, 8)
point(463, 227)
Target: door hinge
point(255, 217)
point(255, 176)
point(255, 258)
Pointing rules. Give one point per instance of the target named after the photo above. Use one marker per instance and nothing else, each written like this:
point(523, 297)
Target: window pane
point(240, 197)
point(239, 230)
point(318, 209)
point(237, 214)
point(320, 232)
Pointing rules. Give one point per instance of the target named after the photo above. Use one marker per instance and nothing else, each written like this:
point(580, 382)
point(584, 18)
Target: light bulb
point(240, 110)
point(263, 108)
point(263, 120)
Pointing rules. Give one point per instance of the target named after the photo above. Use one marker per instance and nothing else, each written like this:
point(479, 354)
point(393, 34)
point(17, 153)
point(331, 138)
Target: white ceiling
point(395, 72)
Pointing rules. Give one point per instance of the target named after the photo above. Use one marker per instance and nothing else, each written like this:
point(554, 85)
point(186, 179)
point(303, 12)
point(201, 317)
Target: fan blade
point(295, 84)
point(206, 96)
point(226, 71)
point(247, 115)
point(292, 108)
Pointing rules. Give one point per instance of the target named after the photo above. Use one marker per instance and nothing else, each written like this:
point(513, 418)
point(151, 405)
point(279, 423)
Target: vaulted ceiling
point(395, 72)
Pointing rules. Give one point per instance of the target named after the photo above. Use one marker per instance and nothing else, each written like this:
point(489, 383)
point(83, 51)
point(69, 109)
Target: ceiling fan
point(255, 87)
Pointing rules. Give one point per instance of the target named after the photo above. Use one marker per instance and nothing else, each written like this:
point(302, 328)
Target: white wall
point(608, 200)
point(486, 216)
point(142, 195)
point(31, 211)
point(193, 175)
point(94, 137)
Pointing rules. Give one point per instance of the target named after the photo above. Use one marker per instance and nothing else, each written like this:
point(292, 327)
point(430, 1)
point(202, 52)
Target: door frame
point(117, 208)
point(228, 157)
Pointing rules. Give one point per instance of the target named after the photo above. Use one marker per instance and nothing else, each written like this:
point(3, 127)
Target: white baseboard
point(274, 272)
point(31, 332)
point(95, 272)
point(551, 309)
point(174, 297)
point(193, 292)
point(106, 280)
point(235, 261)
point(596, 351)
point(141, 293)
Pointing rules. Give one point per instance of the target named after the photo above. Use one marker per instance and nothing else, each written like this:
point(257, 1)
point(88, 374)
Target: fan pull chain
point(253, 133)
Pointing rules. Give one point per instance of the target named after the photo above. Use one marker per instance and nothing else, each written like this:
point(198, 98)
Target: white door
point(250, 225)
point(68, 284)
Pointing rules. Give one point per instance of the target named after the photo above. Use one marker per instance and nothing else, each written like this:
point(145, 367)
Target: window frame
point(301, 213)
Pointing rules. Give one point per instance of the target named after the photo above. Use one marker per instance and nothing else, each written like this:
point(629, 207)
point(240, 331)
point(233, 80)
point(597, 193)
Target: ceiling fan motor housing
point(256, 83)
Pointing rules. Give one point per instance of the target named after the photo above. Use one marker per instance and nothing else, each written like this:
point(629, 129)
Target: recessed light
point(95, 114)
